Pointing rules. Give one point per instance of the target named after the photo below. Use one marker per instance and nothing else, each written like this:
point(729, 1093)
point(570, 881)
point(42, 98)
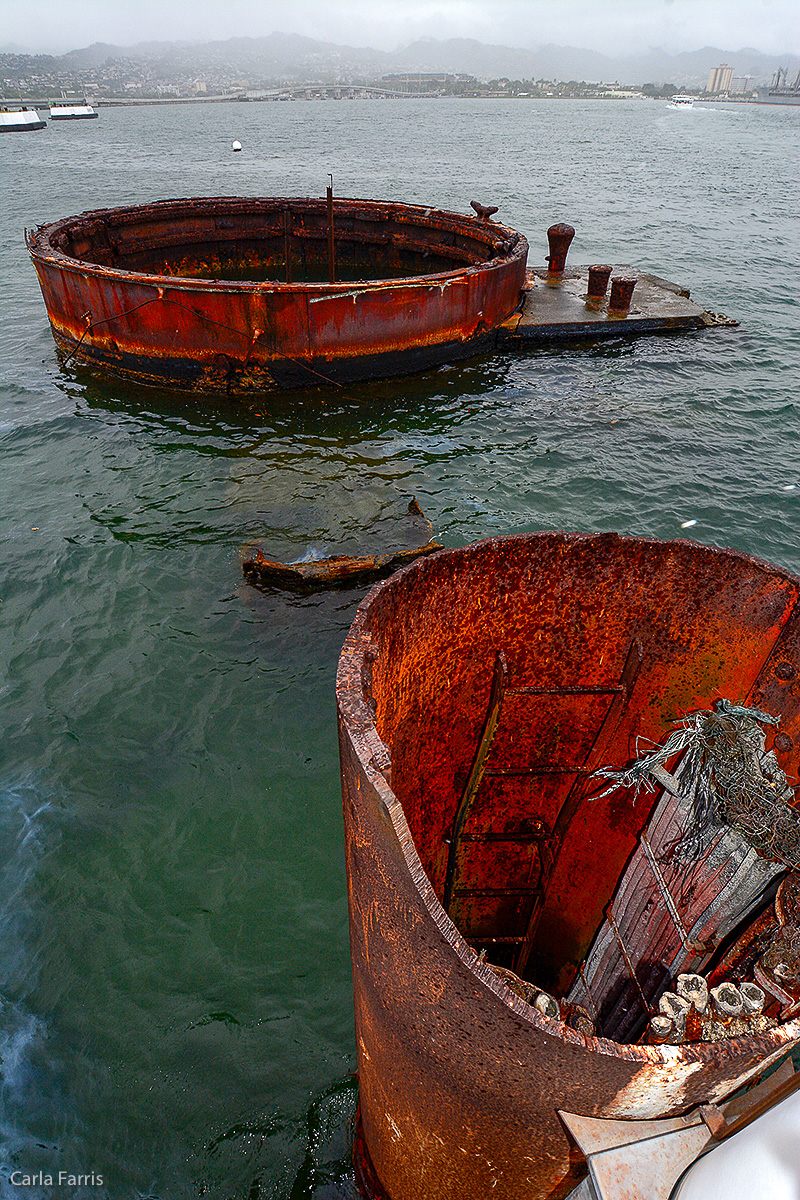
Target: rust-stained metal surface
point(644, 1160)
point(232, 295)
point(605, 639)
point(336, 571)
point(559, 239)
point(646, 1170)
point(575, 306)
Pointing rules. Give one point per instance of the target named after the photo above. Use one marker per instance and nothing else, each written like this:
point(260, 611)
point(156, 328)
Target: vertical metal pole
point(331, 261)
point(287, 245)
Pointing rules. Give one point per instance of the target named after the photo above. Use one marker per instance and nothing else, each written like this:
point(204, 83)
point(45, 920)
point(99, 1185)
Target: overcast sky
point(610, 26)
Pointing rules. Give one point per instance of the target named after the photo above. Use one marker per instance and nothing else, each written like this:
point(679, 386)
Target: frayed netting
point(728, 778)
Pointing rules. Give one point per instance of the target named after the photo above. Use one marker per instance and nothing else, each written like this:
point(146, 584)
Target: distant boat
point(63, 110)
point(17, 120)
point(780, 91)
point(681, 102)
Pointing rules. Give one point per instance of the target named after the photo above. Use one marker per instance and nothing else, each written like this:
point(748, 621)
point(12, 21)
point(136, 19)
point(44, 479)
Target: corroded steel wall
point(223, 335)
point(459, 1079)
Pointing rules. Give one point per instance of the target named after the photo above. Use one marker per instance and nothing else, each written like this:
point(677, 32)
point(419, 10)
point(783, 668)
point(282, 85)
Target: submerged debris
point(779, 965)
point(778, 968)
point(728, 778)
point(339, 570)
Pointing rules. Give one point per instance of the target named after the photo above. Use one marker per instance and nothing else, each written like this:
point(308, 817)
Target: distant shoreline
point(113, 102)
point(286, 96)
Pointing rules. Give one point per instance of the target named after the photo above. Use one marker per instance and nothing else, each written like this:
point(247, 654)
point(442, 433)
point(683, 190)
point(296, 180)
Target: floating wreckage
point(342, 570)
point(564, 908)
point(234, 296)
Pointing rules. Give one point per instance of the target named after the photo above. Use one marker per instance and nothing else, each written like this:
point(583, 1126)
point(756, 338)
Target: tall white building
point(720, 79)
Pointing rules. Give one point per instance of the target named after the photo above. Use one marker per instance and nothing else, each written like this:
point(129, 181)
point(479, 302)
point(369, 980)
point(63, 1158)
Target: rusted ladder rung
point(540, 836)
point(494, 941)
point(621, 693)
point(498, 689)
point(547, 845)
point(546, 770)
point(519, 891)
point(590, 690)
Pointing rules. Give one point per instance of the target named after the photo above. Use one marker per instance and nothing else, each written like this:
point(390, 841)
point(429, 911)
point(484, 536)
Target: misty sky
point(610, 26)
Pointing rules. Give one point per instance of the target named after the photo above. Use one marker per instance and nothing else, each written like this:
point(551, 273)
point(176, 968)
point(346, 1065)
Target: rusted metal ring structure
point(460, 1080)
point(233, 295)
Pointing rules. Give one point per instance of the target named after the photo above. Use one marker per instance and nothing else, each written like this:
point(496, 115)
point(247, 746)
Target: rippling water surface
point(175, 1002)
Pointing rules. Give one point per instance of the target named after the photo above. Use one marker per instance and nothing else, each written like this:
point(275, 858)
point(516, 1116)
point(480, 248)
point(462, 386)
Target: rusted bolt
point(559, 238)
point(621, 292)
point(577, 1018)
point(598, 283)
point(714, 1119)
point(783, 742)
point(785, 670)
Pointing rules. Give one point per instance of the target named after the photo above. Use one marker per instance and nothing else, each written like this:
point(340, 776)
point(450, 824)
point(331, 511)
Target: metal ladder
point(545, 843)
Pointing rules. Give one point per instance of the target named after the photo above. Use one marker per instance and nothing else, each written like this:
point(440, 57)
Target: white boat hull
point(20, 120)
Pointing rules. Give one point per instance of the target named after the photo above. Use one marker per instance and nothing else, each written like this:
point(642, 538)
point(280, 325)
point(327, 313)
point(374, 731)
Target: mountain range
point(281, 57)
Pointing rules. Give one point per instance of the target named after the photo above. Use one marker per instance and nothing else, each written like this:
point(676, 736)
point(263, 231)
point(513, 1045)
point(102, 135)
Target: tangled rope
point(728, 778)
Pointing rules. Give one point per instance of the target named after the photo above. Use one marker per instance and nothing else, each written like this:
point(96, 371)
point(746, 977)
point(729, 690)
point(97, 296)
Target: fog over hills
point(280, 57)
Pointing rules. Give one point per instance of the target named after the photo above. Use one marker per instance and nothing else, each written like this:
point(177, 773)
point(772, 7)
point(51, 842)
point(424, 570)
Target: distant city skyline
point(609, 26)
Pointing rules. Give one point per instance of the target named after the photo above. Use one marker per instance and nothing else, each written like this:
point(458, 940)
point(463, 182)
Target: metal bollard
point(559, 238)
point(598, 283)
point(621, 292)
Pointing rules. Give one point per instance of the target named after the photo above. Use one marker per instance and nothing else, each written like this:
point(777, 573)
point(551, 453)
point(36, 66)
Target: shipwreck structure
point(234, 295)
point(522, 899)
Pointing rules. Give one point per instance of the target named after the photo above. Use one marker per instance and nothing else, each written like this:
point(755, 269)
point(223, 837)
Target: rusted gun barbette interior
point(516, 919)
point(237, 295)
point(277, 239)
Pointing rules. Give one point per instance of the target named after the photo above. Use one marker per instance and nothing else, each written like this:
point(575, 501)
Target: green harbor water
point(175, 995)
